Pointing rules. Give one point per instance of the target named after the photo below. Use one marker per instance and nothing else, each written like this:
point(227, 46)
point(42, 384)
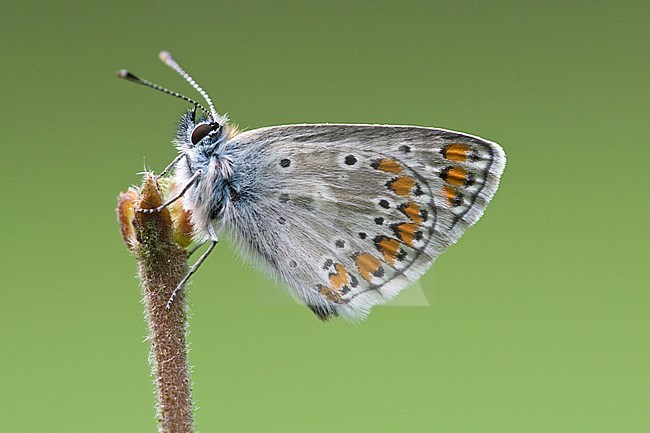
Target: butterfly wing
point(348, 215)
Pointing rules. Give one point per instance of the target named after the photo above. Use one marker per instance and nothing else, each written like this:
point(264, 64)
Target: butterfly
point(344, 215)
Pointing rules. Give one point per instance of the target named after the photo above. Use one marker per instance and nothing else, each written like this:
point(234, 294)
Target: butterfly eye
point(200, 132)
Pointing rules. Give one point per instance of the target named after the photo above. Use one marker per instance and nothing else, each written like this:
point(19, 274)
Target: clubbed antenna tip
point(165, 56)
point(168, 60)
point(123, 73)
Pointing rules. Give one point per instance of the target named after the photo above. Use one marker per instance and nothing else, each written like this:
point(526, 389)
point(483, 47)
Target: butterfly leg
point(170, 166)
point(172, 200)
point(193, 269)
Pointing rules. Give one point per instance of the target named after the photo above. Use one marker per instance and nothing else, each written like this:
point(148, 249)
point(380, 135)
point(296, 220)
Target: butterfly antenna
point(167, 59)
point(123, 73)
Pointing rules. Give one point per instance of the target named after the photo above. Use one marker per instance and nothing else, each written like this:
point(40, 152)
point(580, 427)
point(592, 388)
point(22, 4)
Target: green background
point(539, 316)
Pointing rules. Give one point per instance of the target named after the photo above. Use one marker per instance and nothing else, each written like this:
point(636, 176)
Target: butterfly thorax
point(211, 167)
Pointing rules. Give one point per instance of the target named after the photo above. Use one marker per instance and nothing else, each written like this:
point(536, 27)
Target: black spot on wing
point(404, 148)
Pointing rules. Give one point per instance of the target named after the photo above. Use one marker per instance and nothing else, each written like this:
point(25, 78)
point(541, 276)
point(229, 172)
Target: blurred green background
point(539, 315)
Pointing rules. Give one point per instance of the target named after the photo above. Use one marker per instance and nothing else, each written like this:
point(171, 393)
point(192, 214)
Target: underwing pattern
point(344, 215)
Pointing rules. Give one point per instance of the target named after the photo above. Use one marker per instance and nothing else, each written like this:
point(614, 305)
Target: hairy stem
point(162, 263)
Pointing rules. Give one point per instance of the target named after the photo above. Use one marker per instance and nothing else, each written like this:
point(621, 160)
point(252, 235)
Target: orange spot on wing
point(368, 265)
point(452, 195)
point(401, 185)
point(341, 278)
point(456, 152)
point(412, 211)
point(389, 248)
point(406, 232)
point(340, 284)
point(389, 166)
point(455, 176)
point(329, 293)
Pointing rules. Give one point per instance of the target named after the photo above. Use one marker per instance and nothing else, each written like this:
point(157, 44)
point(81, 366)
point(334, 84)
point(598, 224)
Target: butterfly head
point(202, 135)
point(203, 130)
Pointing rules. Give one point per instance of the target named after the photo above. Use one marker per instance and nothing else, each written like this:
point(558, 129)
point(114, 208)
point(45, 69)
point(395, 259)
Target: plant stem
point(162, 264)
